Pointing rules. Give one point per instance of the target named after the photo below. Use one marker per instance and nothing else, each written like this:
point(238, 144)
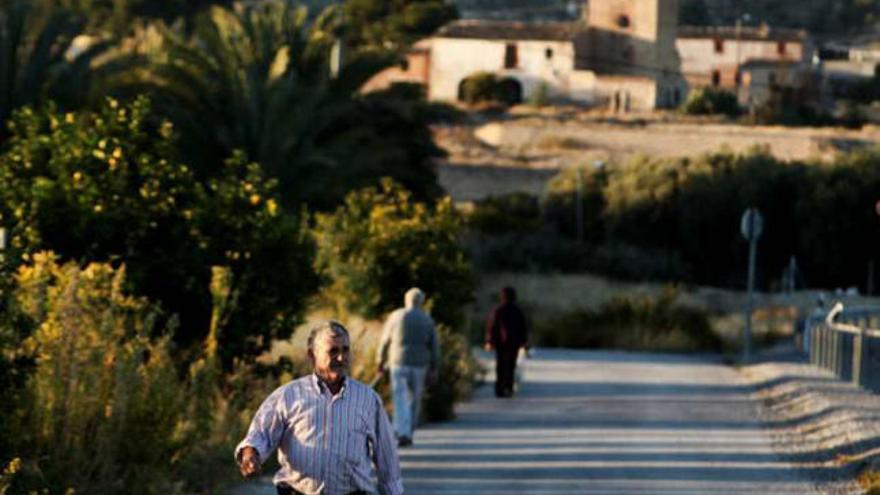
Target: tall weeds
point(108, 410)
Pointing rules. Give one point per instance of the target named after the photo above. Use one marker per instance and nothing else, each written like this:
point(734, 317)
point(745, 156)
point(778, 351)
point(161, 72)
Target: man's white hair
point(414, 297)
point(327, 326)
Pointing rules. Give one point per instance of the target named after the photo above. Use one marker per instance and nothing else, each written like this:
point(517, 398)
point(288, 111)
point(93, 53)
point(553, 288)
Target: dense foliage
point(709, 101)
point(659, 324)
point(818, 16)
point(457, 374)
point(257, 78)
point(44, 57)
point(381, 242)
point(487, 87)
point(678, 220)
point(384, 25)
point(108, 186)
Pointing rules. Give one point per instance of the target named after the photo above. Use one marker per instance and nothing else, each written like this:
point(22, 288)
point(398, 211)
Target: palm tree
point(257, 78)
point(45, 55)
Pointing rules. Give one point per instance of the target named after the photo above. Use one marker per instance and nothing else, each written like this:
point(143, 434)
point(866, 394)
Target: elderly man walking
point(330, 430)
point(409, 347)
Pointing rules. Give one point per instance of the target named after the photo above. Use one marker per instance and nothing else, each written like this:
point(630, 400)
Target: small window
point(404, 65)
point(548, 53)
point(781, 48)
point(737, 78)
point(719, 45)
point(716, 78)
point(623, 21)
point(510, 56)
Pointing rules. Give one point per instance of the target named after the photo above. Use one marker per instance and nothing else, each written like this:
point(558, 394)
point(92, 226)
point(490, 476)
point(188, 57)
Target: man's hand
point(249, 464)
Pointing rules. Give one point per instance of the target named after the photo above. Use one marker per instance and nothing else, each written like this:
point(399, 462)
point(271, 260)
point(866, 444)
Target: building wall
point(699, 57)
point(627, 94)
point(417, 69)
point(453, 60)
point(636, 36)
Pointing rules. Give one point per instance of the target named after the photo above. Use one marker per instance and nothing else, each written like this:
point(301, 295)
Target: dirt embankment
point(521, 150)
point(831, 426)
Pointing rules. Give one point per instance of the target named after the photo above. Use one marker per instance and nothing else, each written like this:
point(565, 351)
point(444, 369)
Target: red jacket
point(506, 327)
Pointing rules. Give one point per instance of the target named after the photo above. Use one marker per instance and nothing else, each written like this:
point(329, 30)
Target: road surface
point(604, 423)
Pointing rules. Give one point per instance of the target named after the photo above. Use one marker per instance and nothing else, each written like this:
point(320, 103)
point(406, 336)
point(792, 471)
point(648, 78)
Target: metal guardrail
point(846, 341)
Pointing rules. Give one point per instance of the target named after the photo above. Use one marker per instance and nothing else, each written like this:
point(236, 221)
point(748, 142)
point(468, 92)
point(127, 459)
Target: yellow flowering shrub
point(109, 185)
point(108, 409)
point(380, 243)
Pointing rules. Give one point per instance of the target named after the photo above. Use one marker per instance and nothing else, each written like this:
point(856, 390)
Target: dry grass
point(551, 143)
point(546, 295)
point(869, 480)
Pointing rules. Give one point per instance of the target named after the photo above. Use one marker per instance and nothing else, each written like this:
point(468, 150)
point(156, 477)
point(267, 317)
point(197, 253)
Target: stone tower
point(630, 37)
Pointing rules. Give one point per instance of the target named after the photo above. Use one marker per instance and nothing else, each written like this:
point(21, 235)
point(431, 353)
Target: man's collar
point(321, 385)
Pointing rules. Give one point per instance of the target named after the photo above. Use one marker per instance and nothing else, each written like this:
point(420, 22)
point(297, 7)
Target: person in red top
point(506, 333)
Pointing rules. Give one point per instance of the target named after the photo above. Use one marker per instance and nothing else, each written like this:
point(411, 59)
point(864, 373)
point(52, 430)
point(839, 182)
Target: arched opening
point(623, 21)
point(510, 91)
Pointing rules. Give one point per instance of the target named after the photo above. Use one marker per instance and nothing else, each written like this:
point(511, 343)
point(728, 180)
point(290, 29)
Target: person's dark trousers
point(286, 490)
point(505, 366)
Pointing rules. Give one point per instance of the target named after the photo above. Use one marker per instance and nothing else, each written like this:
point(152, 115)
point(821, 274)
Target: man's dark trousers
point(286, 490)
point(505, 367)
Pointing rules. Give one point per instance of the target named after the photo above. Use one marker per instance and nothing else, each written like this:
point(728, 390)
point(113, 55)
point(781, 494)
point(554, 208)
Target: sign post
point(579, 206)
point(751, 226)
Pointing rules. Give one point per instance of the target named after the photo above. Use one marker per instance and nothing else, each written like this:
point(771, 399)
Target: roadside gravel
point(829, 427)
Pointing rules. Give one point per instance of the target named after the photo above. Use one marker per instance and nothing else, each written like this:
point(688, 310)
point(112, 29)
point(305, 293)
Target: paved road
point(604, 423)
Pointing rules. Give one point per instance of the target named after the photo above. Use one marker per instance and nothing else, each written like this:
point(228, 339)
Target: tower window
point(510, 56)
point(623, 21)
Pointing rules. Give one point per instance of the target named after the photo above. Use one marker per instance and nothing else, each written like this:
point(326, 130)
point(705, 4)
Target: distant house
point(622, 54)
point(719, 56)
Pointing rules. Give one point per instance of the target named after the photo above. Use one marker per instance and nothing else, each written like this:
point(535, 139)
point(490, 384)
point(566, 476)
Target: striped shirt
point(327, 443)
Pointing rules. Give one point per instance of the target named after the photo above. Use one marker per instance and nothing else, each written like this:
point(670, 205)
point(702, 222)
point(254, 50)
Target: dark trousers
point(286, 490)
point(505, 367)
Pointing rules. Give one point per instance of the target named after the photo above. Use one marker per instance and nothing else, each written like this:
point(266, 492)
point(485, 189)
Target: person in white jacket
point(410, 350)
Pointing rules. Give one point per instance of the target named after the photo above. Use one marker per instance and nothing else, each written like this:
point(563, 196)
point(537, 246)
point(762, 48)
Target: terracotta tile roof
point(746, 33)
point(510, 30)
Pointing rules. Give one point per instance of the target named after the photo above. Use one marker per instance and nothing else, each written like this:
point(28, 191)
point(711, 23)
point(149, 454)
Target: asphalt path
point(606, 423)
point(603, 423)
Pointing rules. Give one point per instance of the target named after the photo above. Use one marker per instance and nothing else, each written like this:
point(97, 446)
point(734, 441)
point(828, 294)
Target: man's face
point(331, 357)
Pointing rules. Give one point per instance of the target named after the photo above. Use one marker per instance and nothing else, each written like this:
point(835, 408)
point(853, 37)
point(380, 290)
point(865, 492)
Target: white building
point(622, 54)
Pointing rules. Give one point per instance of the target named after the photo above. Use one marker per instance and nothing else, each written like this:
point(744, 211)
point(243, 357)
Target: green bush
point(487, 87)
point(108, 186)
point(710, 101)
point(631, 324)
point(678, 218)
point(479, 87)
point(458, 373)
point(560, 202)
point(380, 243)
point(541, 95)
point(514, 212)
